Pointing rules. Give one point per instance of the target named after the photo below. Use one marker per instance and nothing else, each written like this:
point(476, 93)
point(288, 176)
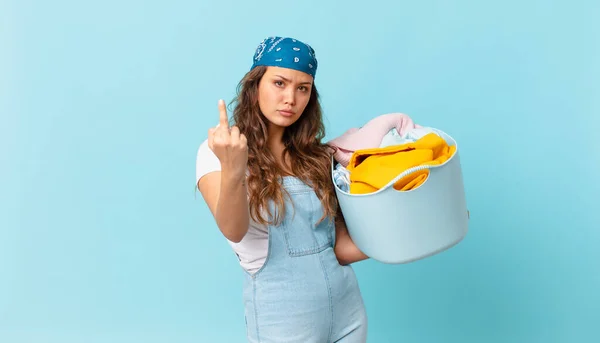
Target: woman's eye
point(278, 83)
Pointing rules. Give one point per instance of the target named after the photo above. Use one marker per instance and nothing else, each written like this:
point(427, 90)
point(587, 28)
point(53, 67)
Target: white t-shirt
point(253, 248)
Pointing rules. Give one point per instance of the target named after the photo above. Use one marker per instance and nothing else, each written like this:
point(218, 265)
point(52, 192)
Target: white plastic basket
point(394, 226)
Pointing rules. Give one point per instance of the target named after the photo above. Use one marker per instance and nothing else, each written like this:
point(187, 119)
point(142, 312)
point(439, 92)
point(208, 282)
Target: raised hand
point(228, 144)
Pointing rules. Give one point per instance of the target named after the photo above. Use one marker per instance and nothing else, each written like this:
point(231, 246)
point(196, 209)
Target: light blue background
point(104, 103)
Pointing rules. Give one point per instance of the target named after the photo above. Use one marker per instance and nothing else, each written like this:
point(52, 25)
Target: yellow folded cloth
point(371, 169)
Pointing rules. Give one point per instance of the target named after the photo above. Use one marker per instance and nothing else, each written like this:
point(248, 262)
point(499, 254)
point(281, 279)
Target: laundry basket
point(394, 226)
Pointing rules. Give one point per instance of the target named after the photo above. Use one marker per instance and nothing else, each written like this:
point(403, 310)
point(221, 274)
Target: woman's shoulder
point(204, 151)
point(206, 160)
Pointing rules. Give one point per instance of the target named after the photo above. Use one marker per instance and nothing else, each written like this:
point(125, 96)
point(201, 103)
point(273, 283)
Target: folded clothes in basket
point(371, 169)
point(341, 175)
point(385, 127)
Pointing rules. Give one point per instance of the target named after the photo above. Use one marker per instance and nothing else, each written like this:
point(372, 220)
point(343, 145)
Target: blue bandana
point(286, 53)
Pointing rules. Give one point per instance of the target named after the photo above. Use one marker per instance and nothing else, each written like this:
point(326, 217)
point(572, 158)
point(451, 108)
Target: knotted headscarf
point(286, 52)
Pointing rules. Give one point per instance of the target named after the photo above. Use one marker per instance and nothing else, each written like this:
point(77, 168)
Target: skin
point(282, 95)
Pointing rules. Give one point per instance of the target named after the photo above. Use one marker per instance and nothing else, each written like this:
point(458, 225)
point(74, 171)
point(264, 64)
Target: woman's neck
point(275, 140)
point(275, 144)
point(275, 135)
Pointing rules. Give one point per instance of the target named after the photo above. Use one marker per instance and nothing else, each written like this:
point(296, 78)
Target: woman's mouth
point(286, 113)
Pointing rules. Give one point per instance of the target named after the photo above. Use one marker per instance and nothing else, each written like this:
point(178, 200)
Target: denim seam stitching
point(255, 310)
point(329, 297)
point(309, 251)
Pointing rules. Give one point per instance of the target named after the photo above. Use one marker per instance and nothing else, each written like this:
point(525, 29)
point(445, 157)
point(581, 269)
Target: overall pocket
point(303, 236)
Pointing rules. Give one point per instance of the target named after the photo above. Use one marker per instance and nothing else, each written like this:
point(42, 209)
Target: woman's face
point(283, 95)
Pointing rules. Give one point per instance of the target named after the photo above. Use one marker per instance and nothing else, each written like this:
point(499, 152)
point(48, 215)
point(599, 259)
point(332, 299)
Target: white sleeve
point(206, 161)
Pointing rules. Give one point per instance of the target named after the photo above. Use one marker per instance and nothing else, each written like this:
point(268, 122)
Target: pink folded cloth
point(370, 135)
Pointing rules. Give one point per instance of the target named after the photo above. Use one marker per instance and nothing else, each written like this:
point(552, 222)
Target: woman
point(268, 185)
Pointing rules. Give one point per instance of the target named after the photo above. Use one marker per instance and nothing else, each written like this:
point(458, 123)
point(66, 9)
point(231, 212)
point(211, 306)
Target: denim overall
point(301, 293)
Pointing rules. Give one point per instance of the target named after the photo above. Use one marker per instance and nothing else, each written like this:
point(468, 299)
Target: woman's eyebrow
point(288, 80)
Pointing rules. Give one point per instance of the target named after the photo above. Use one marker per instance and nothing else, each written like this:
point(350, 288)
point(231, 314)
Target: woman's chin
point(283, 120)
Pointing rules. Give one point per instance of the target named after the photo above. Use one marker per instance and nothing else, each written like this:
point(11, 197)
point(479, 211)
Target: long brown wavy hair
point(310, 158)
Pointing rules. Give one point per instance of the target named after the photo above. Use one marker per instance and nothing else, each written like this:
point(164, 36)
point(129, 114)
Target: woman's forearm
point(345, 250)
point(232, 214)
